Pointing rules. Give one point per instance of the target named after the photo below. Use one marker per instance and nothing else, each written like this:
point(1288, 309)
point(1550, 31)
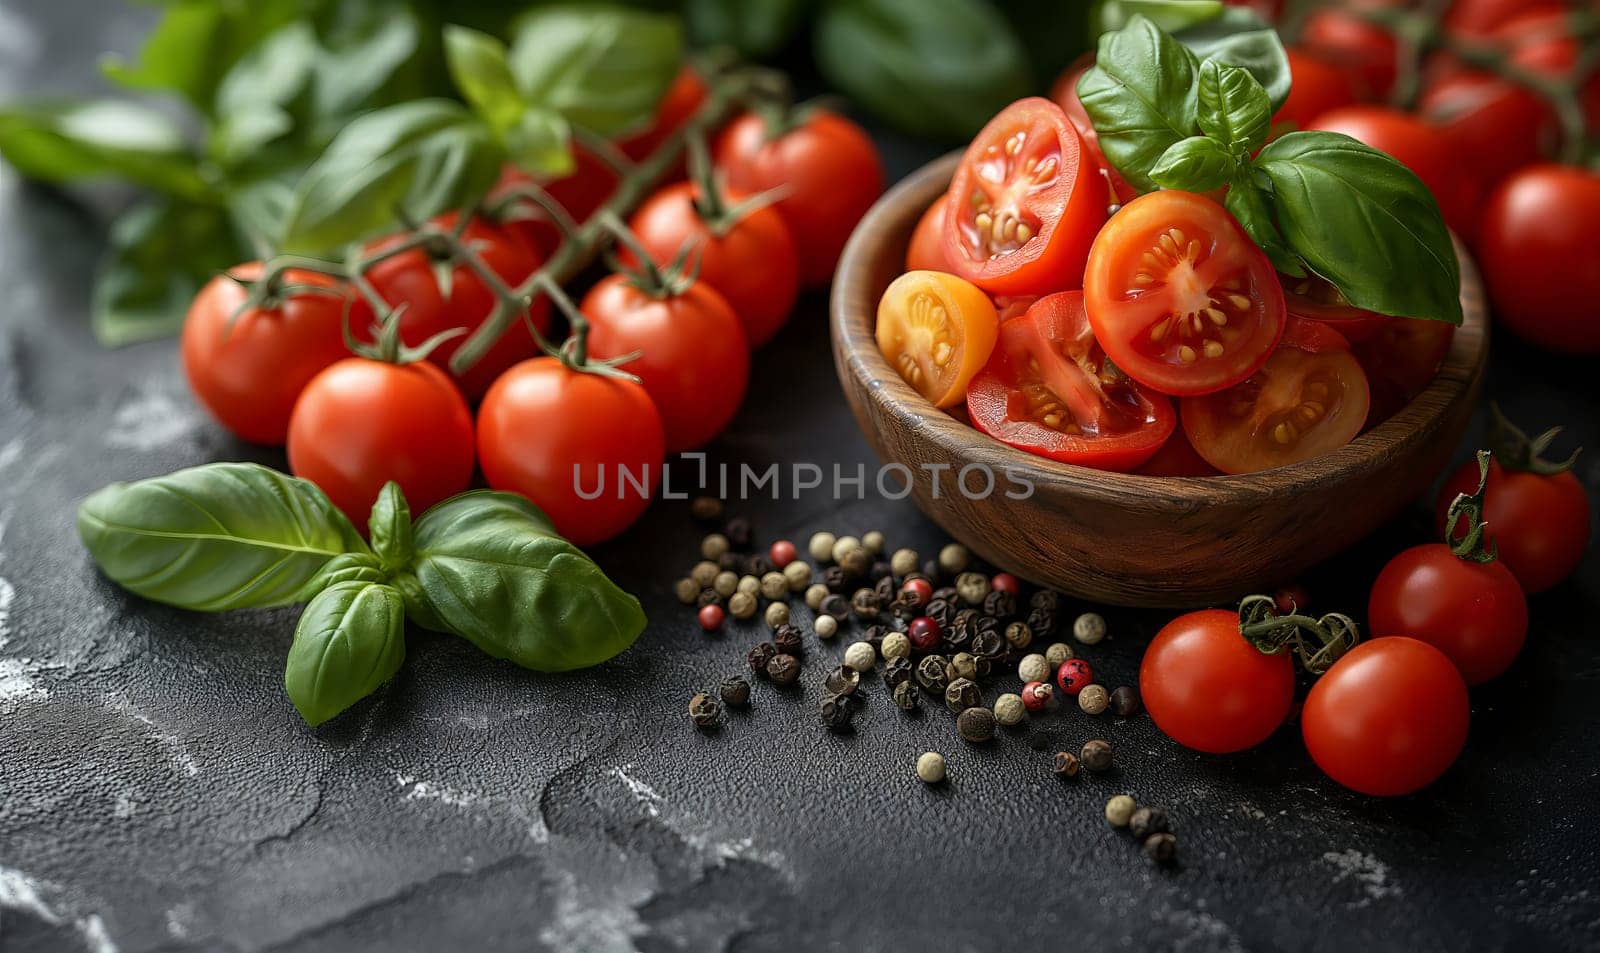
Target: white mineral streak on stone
point(177, 749)
point(10, 453)
point(642, 792)
point(24, 894)
point(419, 790)
point(593, 916)
point(1200, 930)
point(1365, 870)
point(178, 920)
point(154, 417)
point(18, 676)
point(713, 849)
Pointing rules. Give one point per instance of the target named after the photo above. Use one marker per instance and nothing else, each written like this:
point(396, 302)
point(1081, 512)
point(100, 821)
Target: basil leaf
point(931, 67)
point(215, 537)
point(1364, 222)
point(480, 70)
point(370, 57)
point(418, 158)
point(1252, 206)
point(101, 139)
point(541, 142)
point(390, 528)
point(162, 252)
point(756, 29)
point(603, 68)
point(1239, 37)
point(350, 640)
point(196, 43)
point(1234, 109)
point(346, 567)
point(1141, 97)
point(254, 99)
point(1196, 164)
point(488, 567)
point(1169, 15)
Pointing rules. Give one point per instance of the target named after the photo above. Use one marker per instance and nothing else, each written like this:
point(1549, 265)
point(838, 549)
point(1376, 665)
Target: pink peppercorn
point(782, 553)
point(711, 617)
point(922, 587)
point(1005, 582)
point(924, 634)
point(1036, 696)
point(1074, 675)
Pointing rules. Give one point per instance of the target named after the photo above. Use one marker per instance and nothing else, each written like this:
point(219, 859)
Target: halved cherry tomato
point(1400, 360)
point(1008, 306)
point(1025, 203)
point(926, 252)
point(1178, 458)
point(1047, 390)
point(937, 330)
point(1309, 399)
point(1317, 300)
point(1180, 297)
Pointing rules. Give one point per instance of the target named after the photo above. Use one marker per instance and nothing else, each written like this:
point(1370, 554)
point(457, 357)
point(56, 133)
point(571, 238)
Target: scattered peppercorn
point(750, 584)
point(821, 547)
point(836, 579)
point(814, 596)
point(1093, 699)
point(1057, 653)
point(884, 590)
point(738, 533)
point(777, 614)
point(954, 559)
point(735, 691)
point(861, 656)
point(1066, 765)
point(705, 509)
point(742, 605)
point(1125, 701)
point(930, 767)
point(895, 646)
point(872, 542)
point(1038, 696)
point(838, 712)
point(1119, 809)
point(1009, 709)
point(783, 669)
point(797, 575)
point(1089, 628)
point(1044, 599)
point(975, 725)
point(924, 634)
point(1033, 668)
point(708, 597)
point(905, 696)
point(972, 587)
point(704, 710)
point(827, 626)
point(961, 694)
point(756, 565)
point(837, 606)
point(787, 638)
point(942, 611)
point(932, 673)
point(857, 563)
point(843, 546)
point(1007, 583)
point(881, 569)
point(896, 669)
point(687, 590)
point(704, 574)
point(1148, 820)
point(759, 656)
point(710, 618)
point(1001, 605)
point(843, 680)
point(865, 604)
point(1096, 755)
point(732, 562)
point(905, 606)
point(774, 585)
point(1042, 622)
point(1161, 848)
point(1074, 676)
point(713, 546)
point(931, 570)
point(1018, 635)
point(782, 553)
point(963, 665)
point(988, 644)
point(726, 584)
point(903, 562)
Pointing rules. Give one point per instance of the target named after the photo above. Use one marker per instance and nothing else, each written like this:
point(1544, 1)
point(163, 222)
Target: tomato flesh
point(1047, 390)
point(937, 330)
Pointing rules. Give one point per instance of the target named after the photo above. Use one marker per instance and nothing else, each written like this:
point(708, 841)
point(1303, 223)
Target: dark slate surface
point(157, 792)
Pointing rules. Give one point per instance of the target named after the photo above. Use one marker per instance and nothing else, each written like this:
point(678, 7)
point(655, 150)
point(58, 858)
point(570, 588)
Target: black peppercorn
point(947, 593)
point(942, 611)
point(905, 696)
point(836, 606)
point(835, 579)
point(963, 626)
point(1066, 765)
point(1044, 599)
point(931, 673)
point(731, 561)
point(988, 644)
point(865, 604)
point(738, 533)
point(857, 563)
point(1125, 701)
point(735, 691)
point(906, 606)
point(708, 597)
point(759, 656)
point(1096, 755)
point(975, 725)
point(705, 509)
point(783, 669)
point(704, 710)
point(1000, 604)
point(1161, 848)
point(838, 712)
point(787, 638)
point(884, 588)
point(961, 694)
point(931, 570)
point(896, 671)
point(1042, 622)
point(882, 569)
point(1148, 820)
point(874, 635)
point(843, 680)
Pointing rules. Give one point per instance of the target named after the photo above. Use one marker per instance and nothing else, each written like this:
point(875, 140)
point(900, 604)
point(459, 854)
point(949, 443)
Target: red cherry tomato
point(1177, 458)
point(580, 192)
point(693, 360)
point(1310, 398)
point(1025, 203)
point(1180, 297)
point(828, 169)
point(1481, 18)
point(751, 262)
point(1400, 361)
point(361, 423)
point(1537, 249)
point(1422, 148)
point(1211, 690)
point(1492, 125)
point(1388, 718)
point(1318, 86)
point(926, 252)
point(586, 449)
point(1539, 524)
point(408, 279)
point(249, 370)
point(1368, 52)
point(1046, 390)
point(683, 99)
point(1314, 299)
point(1074, 675)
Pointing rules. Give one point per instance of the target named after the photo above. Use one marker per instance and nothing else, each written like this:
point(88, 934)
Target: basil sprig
point(486, 566)
point(1172, 116)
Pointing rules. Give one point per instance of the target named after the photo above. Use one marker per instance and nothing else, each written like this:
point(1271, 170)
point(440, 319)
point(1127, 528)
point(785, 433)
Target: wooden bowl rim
point(853, 310)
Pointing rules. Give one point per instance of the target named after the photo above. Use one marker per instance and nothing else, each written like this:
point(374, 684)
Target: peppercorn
point(843, 680)
point(782, 553)
point(756, 565)
point(1009, 709)
point(1089, 628)
point(903, 562)
point(1000, 604)
point(1033, 668)
point(738, 533)
point(861, 656)
point(1074, 676)
point(933, 673)
point(874, 633)
point(905, 606)
point(814, 596)
point(924, 634)
point(742, 605)
point(1161, 848)
point(836, 606)
point(988, 644)
point(759, 656)
point(1044, 599)
point(896, 670)
point(856, 563)
point(726, 584)
point(797, 575)
point(708, 597)
point(1007, 583)
point(1066, 765)
point(880, 570)
point(705, 509)
point(896, 646)
point(777, 614)
point(942, 611)
point(947, 593)
point(1038, 696)
point(710, 618)
point(884, 589)
point(704, 710)
point(1093, 699)
point(774, 585)
point(821, 547)
point(787, 638)
point(713, 546)
point(1148, 820)
point(963, 665)
point(835, 579)
point(972, 587)
point(732, 562)
point(954, 559)
point(1125, 701)
point(930, 767)
point(1096, 755)
point(905, 696)
point(1018, 635)
point(1042, 622)
point(961, 694)
point(865, 604)
point(975, 725)
point(1119, 810)
point(931, 570)
point(826, 626)
point(1057, 653)
point(843, 546)
point(783, 669)
point(704, 574)
point(838, 712)
point(749, 584)
point(735, 691)
point(687, 591)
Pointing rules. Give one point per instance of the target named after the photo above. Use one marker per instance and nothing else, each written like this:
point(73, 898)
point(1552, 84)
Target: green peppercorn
point(906, 697)
point(843, 546)
point(1066, 765)
point(838, 712)
point(814, 596)
point(972, 587)
point(1019, 635)
point(705, 509)
point(1161, 848)
point(961, 694)
point(963, 665)
point(726, 584)
point(930, 767)
point(713, 546)
point(1148, 820)
point(1057, 653)
point(821, 547)
point(1034, 668)
point(774, 586)
point(704, 574)
point(954, 559)
point(783, 669)
point(1125, 701)
point(750, 584)
point(777, 614)
point(742, 605)
point(843, 680)
point(896, 646)
point(1119, 810)
point(1089, 628)
point(1009, 710)
point(904, 562)
point(1093, 699)
point(735, 691)
point(826, 626)
point(704, 710)
point(687, 590)
point(857, 563)
point(1096, 755)
point(933, 673)
point(797, 575)
point(975, 725)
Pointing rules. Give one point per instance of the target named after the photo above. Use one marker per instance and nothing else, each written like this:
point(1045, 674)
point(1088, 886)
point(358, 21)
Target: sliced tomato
point(1180, 297)
point(926, 251)
point(1401, 360)
point(1048, 390)
point(1178, 458)
point(1309, 399)
point(1025, 203)
point(937, 330)
point(1314, 299)
point(1008, 307)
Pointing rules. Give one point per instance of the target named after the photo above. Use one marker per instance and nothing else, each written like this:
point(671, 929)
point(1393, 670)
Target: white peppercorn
point(750, 584)
point(713, 546)
point(777, 614)
point(704, 574)
point(904, 562)
point(827, 626)
point(1057, 653)
point(726, 584)
point(861, 656)
point(1119, 810)
point(930, 767)
point(1034, 668)
point(815, 595)
point(954, 558)
point(1089, 628)
point(843, 546)
point(742, 605)
point(896, 645)
point(1009, 710)
point(821, 547)
point(1093, 699)
point(687, 591)
point(972, 587)
point(798, 575)
point(774, 586)
point(872, 542)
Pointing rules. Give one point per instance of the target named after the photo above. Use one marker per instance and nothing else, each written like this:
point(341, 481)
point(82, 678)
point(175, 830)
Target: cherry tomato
point(1025, 203)
point(1422, 148)
point(1211, 690)
point(937, 330)
point(1481, 18)
point(693, 359)
point(580, 192)
point(926, 252)
point(1177, 458)
point(409, 279)
point(249, 373)
point(1388, 718)
point(751, 262)
point(1368, 52)
point(1047, 390)
point(1317, 300)
point(1074, 675)
point(1537, 249)
point(361, 423)
point(1180, 297)
point(1493, 125)
point(1539, 524)
point(586, 449)
point(683, 99)
point(1007, 307)
point(1318, 87)
point(828, 169)
point(1400, 361)
point(1473, 612)
point(1309, 399)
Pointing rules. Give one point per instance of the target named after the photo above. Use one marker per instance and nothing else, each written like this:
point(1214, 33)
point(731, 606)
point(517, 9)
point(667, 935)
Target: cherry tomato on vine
point(1310, 398)
point(1539, 523)
point(1209, 689)
point(937, 331)
point(1400, 360)
point(580, 193)
point(249, 370)
point(1536, 245)
point(683, 99)
point(693, 359)
point(1481, 18)
point(362, 422)
point(409, 279)
point(1047, 390)
point(1025, 203)
point(1314, 299)
point(1367, 52)
point(1180, 297)
point(828, 170)
point(1422, 148)
point(585, 448)
point(1388, 718)
point(1318, 86)
point(926, 251)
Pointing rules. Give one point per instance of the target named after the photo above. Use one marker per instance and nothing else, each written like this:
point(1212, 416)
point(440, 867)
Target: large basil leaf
point(215, 537)
point(417, 158)
point(1241, 38)
point(101, 139)
point(347, 567)
point(350, 640)
point(1196, 164)
point(756, 28)
point(489, 568)
point(1248, 202)
point(1169, 15)
point(932, 67)
point(1364, 222)
point(197, 42)
point(1141, 96)
point(162, 252)
point(603, 68)
point(1234, 109)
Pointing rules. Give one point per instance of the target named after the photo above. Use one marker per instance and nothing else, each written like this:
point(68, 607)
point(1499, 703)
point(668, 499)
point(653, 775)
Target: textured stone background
point(157, 791)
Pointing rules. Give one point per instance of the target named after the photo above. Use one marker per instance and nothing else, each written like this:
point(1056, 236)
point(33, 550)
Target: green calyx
point(1316, 642)
point(1474, 545)
point(1515, 450)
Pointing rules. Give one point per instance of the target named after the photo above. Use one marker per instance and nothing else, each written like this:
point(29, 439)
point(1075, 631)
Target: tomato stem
point(1515, 450)
point(1475, 546)
point(1317, 643)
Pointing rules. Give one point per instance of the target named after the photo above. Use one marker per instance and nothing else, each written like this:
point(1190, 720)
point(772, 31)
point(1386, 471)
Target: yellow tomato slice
point(937, 330)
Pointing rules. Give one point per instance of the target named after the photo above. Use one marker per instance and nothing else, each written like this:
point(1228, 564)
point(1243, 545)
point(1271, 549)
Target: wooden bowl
point(1120, 538)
